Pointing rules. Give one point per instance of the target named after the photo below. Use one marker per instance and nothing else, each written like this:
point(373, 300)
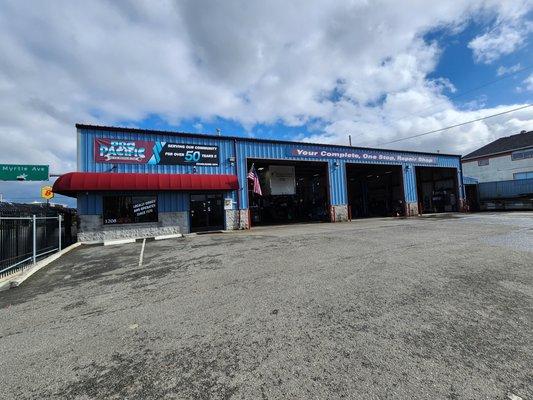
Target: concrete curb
point(111, 242)
point(39, 265)
point(118, 241)
point(171, 236)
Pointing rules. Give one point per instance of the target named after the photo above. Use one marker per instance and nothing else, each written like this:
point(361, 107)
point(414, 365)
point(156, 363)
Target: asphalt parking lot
point(429, 308)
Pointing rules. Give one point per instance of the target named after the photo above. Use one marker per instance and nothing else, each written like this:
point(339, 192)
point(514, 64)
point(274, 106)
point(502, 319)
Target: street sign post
point(47, 193)
point(23, 172)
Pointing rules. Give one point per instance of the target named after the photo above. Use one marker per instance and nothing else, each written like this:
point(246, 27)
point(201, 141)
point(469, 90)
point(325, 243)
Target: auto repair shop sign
point(149, 152)
point(363, 155)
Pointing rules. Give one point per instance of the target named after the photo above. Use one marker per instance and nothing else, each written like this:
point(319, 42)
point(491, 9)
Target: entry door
point(207, 212)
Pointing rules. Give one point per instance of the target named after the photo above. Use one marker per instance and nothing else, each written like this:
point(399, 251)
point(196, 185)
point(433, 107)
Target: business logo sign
point(17, 172)
point(364, 155)
point(122, 151)
point(155, 153)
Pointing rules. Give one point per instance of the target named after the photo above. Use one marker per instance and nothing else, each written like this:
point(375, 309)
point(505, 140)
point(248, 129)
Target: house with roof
point(499, 175)
point(507, 158)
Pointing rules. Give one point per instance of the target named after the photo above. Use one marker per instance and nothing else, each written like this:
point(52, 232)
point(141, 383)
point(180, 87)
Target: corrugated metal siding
point(506, 189)
point(172, 201)
point(245, 150)
point(90, 204)
point(409, 184)
point(89, 165)
point(469, 181)
point(337, 175)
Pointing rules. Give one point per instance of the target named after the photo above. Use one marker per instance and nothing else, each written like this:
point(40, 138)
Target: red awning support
point(73, 182)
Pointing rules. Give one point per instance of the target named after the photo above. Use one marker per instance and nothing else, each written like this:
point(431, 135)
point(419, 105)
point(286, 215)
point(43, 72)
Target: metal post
point(59, 218)
point(34, 239)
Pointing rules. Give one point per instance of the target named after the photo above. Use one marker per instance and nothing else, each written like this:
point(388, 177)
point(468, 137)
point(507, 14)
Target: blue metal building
point(114, 162)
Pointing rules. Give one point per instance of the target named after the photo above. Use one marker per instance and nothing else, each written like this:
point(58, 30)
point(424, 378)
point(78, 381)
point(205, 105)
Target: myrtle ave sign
point(14, 172)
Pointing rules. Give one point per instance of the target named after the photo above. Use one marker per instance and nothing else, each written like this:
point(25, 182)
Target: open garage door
point(375, 190)
point(292, 192)
point(437, 189)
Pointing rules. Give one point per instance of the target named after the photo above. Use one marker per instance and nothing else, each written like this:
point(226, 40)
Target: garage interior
point(437, 189)
point(292, 192)
point(375, 190)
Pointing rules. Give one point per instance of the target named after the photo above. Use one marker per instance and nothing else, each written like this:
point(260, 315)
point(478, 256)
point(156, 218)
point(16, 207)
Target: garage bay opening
point(291, 192)
point(375, 190)
point(437, 189)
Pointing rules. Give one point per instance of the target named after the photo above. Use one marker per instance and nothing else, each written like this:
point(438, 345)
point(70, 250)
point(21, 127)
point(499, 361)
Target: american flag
point(254, 177)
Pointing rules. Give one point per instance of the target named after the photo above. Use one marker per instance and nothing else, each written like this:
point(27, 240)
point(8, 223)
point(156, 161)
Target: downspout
point(238, 180)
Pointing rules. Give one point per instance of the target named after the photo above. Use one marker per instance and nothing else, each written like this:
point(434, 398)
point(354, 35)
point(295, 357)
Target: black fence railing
point(25, 240)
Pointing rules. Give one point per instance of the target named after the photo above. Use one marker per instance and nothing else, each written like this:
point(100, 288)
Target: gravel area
point(420, 308)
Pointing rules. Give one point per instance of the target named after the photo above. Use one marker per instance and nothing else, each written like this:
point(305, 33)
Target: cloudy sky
point(299, 70)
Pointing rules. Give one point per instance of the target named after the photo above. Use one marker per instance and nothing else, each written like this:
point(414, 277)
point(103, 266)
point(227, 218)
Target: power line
point(484, 85)
point(456, 125)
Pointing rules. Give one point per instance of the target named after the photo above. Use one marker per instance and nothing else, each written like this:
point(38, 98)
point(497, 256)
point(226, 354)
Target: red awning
point(74, 182)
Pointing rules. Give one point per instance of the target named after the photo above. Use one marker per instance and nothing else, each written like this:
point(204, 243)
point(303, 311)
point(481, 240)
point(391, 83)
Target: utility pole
point(350, 140)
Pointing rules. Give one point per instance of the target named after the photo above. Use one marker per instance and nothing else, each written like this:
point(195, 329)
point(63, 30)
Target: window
point(522, 154)
point(483, 162)
point(129, 209)
point(523, 175)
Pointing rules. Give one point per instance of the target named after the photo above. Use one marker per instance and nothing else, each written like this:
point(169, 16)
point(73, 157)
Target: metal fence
point(26, 240)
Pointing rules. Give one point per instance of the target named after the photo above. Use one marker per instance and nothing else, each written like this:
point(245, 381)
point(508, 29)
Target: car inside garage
point(375, 190)
point(291, 192)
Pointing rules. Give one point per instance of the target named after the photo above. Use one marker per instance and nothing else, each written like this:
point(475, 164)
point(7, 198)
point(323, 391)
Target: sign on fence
point(20, 172)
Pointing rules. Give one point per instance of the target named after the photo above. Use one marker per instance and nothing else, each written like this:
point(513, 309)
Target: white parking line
point(142, 253)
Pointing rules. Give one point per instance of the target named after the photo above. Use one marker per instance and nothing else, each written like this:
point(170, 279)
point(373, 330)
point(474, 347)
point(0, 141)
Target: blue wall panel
point(89, 165)
point(409, 183)
point(172, 201)
point(245, 149)
point(506, 189)
point(90, 203)
point(336, 174)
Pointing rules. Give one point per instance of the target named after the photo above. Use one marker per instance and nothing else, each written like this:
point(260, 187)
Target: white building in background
point(507, 158)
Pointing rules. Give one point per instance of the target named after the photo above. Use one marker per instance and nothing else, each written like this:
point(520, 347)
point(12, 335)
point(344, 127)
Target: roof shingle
point(504, 144)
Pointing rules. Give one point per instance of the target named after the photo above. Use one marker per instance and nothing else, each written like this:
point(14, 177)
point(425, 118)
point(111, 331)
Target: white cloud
point(528, 82)
point(489, 47)
point(502, 70)
point(252, 62)
point(509, 32)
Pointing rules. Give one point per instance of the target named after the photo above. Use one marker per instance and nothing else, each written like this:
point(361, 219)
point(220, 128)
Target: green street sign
point(14, 172)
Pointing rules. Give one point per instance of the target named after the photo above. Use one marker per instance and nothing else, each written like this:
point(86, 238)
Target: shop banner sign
point(364, 155)
point(155, 153)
